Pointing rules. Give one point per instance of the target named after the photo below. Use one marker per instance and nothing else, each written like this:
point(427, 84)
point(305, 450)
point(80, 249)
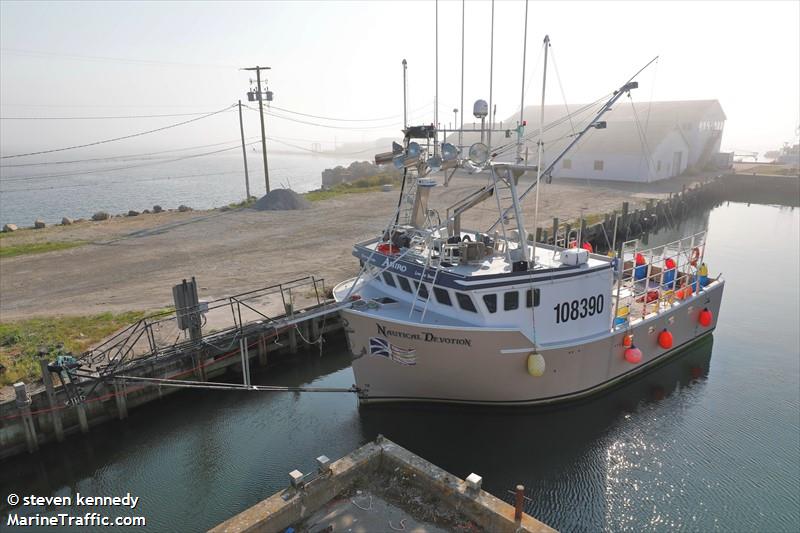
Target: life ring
point(695, 256)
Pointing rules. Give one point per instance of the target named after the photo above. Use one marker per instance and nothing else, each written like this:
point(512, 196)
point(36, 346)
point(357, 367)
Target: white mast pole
point(491, 72)
point(541, 146)
point(436, 98)
point(461, 129)
point(522, 97)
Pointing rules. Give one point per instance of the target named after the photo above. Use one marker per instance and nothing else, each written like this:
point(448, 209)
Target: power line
point(38, 53)
point(119, 138)
point(81, 172)
point(347, 119)
point(122, 157)
point(107, 117)
point(387, 126)
point(79, 185)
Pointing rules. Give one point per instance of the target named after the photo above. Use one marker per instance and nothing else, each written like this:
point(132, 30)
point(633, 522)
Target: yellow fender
point(536, 365)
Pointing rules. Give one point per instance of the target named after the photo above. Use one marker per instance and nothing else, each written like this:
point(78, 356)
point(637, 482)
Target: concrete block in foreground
point(400, 483)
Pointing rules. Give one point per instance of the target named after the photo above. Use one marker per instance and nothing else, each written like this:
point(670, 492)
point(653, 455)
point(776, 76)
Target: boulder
point(157, 209)
point(133, 213)
point(183, 208)
point(101, 215)
point(39, 224)
point(225, 208)
point(146, 212)
point(8, 228)
point(66, 221)
point(79, 220)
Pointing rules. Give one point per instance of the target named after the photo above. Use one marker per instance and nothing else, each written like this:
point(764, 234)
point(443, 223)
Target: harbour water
point(709, 441)
point(81, 189)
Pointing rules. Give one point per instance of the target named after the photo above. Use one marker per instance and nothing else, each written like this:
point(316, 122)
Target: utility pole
point(244, 154)
point(259, 95)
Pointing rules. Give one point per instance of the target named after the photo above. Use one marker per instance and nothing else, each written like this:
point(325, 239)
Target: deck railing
point(650, 281)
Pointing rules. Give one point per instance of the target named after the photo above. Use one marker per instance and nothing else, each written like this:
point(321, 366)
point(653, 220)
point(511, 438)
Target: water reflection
point(568, 457)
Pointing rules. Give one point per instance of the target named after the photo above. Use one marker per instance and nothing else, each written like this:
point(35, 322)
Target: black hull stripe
point(548, 400)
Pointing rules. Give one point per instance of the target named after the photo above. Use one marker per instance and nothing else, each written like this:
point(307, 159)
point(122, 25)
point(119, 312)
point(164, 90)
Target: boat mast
point(540, 146)
point(522, 97)
point(491, 72)
point(461, 129)
point(405, 96)
point(436, 98)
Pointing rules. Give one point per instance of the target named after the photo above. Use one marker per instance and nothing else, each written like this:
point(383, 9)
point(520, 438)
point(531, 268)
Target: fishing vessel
point(441, 313)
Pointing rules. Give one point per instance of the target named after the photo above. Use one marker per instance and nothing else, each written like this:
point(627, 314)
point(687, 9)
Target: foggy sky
point(343, 59)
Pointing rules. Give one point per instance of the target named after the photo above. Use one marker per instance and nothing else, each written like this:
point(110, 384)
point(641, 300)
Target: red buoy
point(588, 247)
point(633, 355)
point(665, 339)
point(705, 317)
point(669, 263)
point(627, 341)
point(640, 260)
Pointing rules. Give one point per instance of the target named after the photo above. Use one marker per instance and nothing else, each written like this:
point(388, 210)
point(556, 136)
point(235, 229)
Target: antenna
point(405, 96)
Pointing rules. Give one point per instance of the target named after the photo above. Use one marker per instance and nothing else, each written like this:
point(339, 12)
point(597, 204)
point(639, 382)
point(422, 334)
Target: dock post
point(314, 334)
point(555, 230)
point(122, 401)
point(519, 503)
point(262, 350)
point(24, 405)
point(292, 330)
point(55, 412)
point(82, 420)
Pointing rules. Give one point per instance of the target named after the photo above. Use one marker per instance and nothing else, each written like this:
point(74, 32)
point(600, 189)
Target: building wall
point(628, 167)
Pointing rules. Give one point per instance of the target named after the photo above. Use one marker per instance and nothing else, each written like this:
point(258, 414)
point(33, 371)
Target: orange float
point(705, 317)
point(665, 339)
point(633, 355)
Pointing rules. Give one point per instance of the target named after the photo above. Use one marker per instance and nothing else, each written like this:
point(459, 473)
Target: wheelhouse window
point(423, 290)
point(389, 279)
point(532, 298)
point(598, 164)
point(404, 284)
point(465, 302)
point(442, 296)
point(491, 302)
point(511, 300)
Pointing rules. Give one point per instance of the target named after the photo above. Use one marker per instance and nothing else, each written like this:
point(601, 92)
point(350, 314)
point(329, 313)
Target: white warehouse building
point(651, 142)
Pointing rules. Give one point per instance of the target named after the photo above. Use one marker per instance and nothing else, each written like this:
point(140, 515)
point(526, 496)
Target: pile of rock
point(281, 200)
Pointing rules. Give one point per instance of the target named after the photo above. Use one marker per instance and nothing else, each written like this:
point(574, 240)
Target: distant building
point(654, 141)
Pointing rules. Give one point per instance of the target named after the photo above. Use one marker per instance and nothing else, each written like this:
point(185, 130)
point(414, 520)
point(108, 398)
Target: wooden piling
point(121, 399)
point(55, 411)
point(24, 405)
point(519, 502)
point(292, 330)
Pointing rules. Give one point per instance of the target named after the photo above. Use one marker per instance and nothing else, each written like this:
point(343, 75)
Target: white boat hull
point(399, 361)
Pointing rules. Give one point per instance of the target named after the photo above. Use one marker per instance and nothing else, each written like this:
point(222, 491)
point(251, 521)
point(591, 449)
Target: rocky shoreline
point(96, 217)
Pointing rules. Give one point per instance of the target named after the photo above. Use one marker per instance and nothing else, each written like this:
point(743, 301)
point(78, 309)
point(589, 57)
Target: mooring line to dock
point(180, 383)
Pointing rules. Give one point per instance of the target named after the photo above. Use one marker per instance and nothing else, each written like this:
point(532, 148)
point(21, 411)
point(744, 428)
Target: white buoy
point(536, 365)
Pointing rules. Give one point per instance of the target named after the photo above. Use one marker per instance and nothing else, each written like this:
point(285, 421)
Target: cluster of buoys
point(705, 317)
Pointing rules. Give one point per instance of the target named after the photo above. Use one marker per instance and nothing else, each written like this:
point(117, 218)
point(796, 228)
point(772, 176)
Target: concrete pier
point(377, 484)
